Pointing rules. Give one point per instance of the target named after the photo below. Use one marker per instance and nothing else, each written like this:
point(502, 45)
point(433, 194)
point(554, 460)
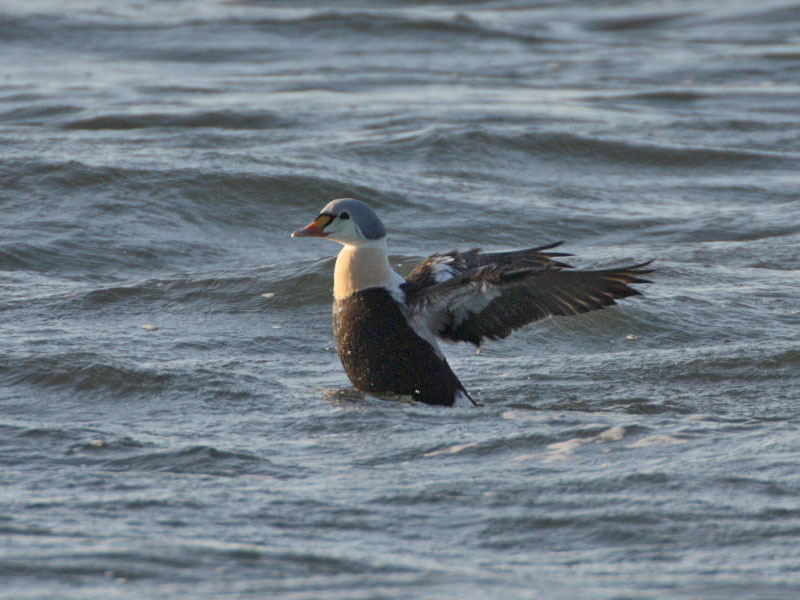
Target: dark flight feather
point(470, 296)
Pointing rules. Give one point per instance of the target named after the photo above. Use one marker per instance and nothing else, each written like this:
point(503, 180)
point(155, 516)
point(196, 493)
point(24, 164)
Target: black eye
point(344, 215)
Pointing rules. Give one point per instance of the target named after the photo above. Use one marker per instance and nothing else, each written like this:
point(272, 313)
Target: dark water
point(174, 420)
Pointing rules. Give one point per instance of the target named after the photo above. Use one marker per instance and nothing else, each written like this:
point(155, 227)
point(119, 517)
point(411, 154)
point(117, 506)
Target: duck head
point(347, 221)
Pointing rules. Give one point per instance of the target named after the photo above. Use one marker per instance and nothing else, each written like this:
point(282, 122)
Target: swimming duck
point(387, 327)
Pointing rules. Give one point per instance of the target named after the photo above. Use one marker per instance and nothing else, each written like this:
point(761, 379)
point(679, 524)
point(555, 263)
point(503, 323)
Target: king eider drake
point(386, 326)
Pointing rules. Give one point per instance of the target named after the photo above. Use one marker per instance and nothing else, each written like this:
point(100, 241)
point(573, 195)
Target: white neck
point(363, 266)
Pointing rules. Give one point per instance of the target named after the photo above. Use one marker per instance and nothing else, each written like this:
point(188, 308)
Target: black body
point(382, 354)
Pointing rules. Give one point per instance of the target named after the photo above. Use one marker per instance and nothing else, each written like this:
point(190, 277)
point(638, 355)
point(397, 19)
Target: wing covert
point(492, 300)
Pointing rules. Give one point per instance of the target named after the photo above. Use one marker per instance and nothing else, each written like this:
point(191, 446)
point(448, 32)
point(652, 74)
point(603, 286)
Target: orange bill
point(315, 228)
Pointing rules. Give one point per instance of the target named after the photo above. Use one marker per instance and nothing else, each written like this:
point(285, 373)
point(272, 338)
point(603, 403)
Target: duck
point(388, 327)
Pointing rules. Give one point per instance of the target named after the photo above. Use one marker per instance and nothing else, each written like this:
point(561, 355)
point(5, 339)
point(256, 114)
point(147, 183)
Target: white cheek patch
point(344, 232)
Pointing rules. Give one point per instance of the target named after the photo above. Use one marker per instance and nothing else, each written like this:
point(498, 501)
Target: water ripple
point(222, 119)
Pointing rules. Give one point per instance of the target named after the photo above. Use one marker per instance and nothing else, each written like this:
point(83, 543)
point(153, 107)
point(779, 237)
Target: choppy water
point(174, 420)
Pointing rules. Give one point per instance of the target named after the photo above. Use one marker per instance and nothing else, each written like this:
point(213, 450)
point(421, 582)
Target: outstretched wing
point(443, 267)
point(504, 291)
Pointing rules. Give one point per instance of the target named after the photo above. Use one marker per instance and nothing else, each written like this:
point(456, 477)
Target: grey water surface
point(174, 420)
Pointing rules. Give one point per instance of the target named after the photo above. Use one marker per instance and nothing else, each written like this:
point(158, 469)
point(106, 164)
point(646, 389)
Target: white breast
point(365, 265)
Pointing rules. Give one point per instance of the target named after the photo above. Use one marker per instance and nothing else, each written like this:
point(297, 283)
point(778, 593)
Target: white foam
point(563, 450)
point(655, 440)
point(451, 450)
point(516, 415)
point(614, 434)
point(524, 457)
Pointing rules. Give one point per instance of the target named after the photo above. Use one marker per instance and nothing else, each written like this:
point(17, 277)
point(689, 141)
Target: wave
point(220, 119)
point(283, 286)
point(195, 460)
point(638, 22)
point(280, 287)
point(382, 23)
point(222, 37)
point(82, 371)
point(173, 217)
point(38, 114)
point(139, 188)
point(445, 146)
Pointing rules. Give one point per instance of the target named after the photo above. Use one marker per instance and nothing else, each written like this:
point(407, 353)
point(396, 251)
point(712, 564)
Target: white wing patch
point(463, 306)
point(451, 308)
point(395, 290)
point(441, 269)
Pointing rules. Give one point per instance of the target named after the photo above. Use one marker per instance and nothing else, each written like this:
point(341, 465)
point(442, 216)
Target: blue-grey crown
point(363, 216)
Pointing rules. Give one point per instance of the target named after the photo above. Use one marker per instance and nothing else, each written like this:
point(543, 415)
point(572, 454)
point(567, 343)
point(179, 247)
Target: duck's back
point(381, 353)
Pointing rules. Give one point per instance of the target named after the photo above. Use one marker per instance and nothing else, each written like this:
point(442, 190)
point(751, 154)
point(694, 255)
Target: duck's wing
point(495, 294)
point(443, 267)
